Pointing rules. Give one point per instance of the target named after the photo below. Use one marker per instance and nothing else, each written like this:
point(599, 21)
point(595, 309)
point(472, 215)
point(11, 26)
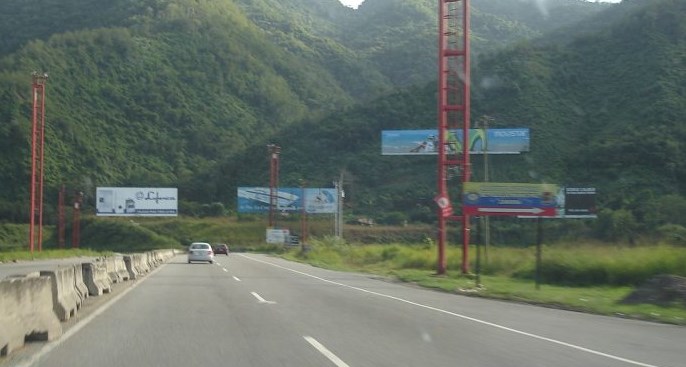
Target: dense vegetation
point(187, 93)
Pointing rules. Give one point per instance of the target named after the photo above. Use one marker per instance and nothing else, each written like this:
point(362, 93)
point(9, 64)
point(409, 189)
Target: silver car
point(200, 251)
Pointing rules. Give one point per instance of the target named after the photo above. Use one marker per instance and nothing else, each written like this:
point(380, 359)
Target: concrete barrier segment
point(131, 267)
point(156, 258)
point(141, 264)
point(112, 272)
point(164, 255)
point(27, 312)
point(121, 268)
point(96, 278)
point(65, 299)
point(149, 258)
point(79, 283)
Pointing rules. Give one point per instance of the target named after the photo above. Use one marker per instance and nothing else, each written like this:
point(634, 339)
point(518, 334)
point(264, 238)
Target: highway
point(258, 310)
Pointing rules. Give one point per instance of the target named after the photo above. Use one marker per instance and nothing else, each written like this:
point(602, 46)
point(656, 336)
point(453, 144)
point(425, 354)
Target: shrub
point(673, 234)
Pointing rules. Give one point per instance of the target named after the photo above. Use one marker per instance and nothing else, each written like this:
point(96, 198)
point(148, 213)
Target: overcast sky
point(355, 3)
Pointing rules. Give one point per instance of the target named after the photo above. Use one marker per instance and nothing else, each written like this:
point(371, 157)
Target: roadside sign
point(579, 202)
point(444, 203)
point(509, 199)
point(277, 236)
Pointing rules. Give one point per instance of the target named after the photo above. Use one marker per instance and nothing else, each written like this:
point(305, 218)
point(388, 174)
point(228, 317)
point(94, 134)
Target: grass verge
point(414, 264)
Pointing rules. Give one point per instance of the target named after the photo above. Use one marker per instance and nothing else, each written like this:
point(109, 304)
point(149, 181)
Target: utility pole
point(485, 220)
point(274, 151)
point(341, 197)
point(338, 216)
point(37, 160)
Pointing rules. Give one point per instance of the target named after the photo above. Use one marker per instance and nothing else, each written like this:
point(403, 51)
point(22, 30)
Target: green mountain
point(187, 94)
point(605, 109)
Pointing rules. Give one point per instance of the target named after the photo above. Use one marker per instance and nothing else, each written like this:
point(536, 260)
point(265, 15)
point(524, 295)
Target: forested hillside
point(606, 109)
point(187, 93)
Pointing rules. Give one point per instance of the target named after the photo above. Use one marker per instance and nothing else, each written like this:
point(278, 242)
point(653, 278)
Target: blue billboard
point(425, 142)
point(288, 199)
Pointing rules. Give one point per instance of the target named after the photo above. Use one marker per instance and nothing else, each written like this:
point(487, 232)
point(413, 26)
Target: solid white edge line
point(49, 346)
point(327, 353)
point(497, 326)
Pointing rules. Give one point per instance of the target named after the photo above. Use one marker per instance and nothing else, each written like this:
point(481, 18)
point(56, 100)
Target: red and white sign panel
point(445, 206)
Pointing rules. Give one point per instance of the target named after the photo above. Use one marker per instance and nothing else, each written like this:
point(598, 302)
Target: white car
point(200, 251)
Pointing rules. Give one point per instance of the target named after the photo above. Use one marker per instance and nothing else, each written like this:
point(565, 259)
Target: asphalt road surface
point(256, 310)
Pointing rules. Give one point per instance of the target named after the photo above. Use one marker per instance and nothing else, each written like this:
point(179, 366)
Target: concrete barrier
point(32, 305)
point(140, 263)
point(96, 278)
point(164, 255)
point(27, 312)
point(112, 270)
point(130, 267)
point(121, 268)
point(134, 272)
point(150, 260)
point(79, 283)
point(155, 258)
point(116, 269)
point(65, 298)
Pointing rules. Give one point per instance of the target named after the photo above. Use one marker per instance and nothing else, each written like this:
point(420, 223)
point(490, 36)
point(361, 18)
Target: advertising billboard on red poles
point(509, 199)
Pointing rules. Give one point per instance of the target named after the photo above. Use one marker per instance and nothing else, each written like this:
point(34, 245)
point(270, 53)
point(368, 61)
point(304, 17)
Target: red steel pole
point(442, 127)
point(41, 175)
point(466, 102)
point(76, 230)
point(61, 224)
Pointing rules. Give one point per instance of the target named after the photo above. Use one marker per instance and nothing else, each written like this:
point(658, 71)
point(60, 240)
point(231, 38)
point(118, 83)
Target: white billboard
point(277, 236)
point(137, 201)
point(288, 199)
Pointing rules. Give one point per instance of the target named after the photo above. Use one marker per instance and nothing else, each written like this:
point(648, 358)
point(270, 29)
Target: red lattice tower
point(453, 115)
point(37, 159)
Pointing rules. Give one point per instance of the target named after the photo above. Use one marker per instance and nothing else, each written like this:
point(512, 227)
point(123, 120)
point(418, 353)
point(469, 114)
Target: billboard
point(136, 201)
point(277, 236)
point(425, 142)
point(578, 202)
point(288, 199)
point(509, 199)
